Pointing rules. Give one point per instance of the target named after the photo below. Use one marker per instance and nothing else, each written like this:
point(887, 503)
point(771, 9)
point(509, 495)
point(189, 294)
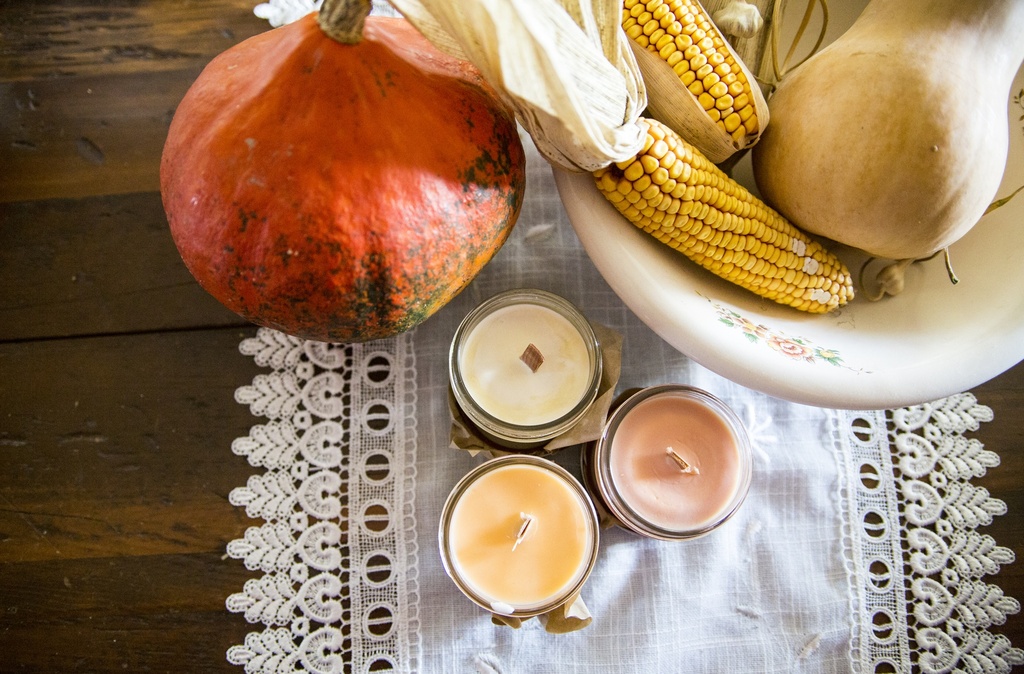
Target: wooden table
point(117, 371)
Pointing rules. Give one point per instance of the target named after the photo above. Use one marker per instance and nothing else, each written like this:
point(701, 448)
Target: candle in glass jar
point(502, 381)
point(519, 535)
point(524, 367)
point(674, 462)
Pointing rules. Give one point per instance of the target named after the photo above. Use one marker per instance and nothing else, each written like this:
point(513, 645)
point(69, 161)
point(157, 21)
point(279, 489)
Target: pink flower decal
point(791, 347)
point(797, 348)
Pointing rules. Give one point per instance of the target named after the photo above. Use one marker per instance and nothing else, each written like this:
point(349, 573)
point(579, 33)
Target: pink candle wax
point(678, 459)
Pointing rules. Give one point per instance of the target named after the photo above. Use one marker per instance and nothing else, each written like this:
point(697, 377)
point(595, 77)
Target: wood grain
point(117, 371)
point(114, 518)
point(98, 265)
point(123, 445)
point(120, 614)
point(87, 90)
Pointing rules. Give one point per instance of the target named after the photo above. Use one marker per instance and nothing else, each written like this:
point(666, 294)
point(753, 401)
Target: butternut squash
point(894, 138)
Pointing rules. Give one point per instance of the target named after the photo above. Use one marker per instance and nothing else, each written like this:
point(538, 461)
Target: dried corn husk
point(564, 66)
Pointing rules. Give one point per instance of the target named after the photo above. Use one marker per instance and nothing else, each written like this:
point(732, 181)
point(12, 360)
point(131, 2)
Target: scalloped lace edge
point(337, 546)
point(906, 498)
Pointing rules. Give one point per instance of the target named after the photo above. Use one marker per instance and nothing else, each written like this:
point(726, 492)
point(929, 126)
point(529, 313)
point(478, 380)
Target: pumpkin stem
point(343, 20)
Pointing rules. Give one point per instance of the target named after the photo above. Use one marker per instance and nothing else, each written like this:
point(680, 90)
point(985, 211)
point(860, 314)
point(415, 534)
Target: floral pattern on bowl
point(797, 348)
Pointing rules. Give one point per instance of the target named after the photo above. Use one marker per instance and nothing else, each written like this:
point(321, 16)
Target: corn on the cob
point(671, 191)
point(680, 33)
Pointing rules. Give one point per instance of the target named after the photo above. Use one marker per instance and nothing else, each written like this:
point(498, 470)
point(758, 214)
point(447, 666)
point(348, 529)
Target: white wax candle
point(521, 536)
point(505, 386)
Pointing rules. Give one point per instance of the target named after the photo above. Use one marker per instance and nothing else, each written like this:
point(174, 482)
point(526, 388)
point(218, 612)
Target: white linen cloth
point(807, 577)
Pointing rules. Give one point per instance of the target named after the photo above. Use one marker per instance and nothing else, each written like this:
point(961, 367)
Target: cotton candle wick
point(683, 464)
point(532, 357)
point(527, 521)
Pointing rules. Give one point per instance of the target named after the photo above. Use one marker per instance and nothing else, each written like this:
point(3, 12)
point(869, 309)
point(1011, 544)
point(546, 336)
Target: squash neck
point(343, 20)
point(994, 28)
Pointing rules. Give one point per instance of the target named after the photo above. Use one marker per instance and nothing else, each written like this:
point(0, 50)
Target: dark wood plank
point(80, 136)
point(87, 90)
point(93, 266)
point(162, 613)
point(46, 39)
point(115, 467)
point(121, 445)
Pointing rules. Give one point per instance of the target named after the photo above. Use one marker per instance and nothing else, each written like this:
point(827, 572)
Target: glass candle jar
point(519, 535)
point(524, 366)
point(673, 463)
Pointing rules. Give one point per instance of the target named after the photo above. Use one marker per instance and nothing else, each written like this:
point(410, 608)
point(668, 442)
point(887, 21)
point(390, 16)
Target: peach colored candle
point(520, 537)
point(676, 463)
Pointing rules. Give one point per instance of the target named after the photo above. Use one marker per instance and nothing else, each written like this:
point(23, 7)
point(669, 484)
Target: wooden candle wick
point(527, 521)
point(532, 357)
point(684, 466)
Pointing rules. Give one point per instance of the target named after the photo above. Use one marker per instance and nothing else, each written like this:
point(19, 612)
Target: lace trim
point(337, 548)
point(906, 498)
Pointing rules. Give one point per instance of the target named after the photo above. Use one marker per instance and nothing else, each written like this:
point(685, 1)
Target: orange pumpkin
point(340, 192)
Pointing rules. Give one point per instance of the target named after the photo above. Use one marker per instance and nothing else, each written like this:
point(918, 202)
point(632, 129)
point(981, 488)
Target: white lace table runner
point(338, 552)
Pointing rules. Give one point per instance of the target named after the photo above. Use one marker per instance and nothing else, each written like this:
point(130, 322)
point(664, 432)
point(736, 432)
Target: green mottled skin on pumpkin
point(340, 192)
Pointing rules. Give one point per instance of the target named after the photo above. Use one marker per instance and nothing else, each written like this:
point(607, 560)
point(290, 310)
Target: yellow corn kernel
point(671, 191)
point(633, 172)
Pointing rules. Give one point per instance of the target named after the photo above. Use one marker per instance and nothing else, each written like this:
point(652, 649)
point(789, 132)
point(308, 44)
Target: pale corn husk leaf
point(564, 66)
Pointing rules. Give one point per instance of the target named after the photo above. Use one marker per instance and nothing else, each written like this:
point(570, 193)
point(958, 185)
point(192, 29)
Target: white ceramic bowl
point(933, 340)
